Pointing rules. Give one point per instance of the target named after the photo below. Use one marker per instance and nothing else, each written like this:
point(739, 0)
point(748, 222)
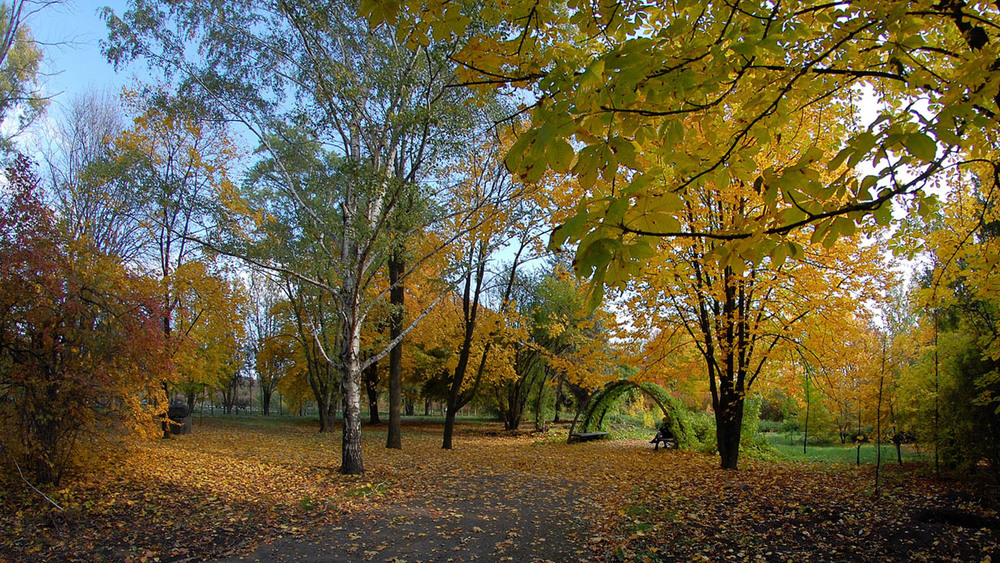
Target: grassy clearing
point(839, 453)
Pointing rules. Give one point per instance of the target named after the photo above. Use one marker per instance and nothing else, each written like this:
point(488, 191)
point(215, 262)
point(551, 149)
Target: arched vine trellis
point(590, 418)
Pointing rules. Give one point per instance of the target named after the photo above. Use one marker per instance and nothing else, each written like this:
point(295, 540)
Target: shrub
point(770, 426)
point(79, 338)
point(752, 442)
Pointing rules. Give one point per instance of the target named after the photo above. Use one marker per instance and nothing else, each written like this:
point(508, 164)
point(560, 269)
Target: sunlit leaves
point(681, 96)
point(80, 338)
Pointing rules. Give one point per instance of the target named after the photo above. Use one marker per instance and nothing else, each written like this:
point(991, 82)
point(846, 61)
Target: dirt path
point(500, 517)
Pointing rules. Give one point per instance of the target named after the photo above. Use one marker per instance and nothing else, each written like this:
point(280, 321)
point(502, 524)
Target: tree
point(501, 216)
point(209, 322)
point(177, 168)
point(20, 58)
point(269, 344)
point(308, 311)
point(953, 387)
point(79, 336)
point(622, 87)
point(384, 113)
point(739, 314)
point(617, 83)
point(92, 195)
point(552, 338)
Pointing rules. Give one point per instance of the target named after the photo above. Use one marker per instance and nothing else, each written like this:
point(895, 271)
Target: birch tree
point(380, 110)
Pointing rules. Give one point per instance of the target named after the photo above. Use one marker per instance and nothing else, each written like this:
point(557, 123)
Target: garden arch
point(591, 417)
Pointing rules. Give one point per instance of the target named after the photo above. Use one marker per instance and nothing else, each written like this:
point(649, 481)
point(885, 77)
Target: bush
point(752, 442)
point(821, 439)
point(770, 426)
point(80, 341)
point(701, 431)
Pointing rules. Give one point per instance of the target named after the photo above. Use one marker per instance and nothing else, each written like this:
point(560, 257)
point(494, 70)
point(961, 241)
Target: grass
point(839, 453)
point(620, 426)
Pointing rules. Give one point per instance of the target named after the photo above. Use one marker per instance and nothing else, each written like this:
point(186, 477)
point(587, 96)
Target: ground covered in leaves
point(265, 490)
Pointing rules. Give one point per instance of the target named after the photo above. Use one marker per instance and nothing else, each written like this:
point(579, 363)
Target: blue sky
point(71, 33)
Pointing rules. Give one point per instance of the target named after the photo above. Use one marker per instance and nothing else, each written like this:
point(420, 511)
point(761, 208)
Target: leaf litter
point(234, 491)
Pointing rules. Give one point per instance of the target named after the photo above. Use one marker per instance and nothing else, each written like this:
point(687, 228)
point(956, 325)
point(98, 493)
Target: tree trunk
point(470, 310)
point(323, 405)
point(858, 438)
point(728, 424)
point(371, 386)
point(265, 400)
point(559, 400)
point(350, 361)
point(539, 400)
point(449, 428)
point(805, 434)
point(397, 268)
point(166, 423)
point(514, 410)
point(878, 420)
point(351, 462)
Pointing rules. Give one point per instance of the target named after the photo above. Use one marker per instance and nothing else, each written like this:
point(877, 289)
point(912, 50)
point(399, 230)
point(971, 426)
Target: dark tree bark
point(371, 388)
point(559, 400)
point(457, 398)
point(510, 405)
point(397, 267)
point(729, 423)
point(539, 400)
point(470, 310)
point(265, 401)
point(323, 395)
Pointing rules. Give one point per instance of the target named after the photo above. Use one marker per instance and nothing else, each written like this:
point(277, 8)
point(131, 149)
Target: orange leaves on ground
point(238, 483)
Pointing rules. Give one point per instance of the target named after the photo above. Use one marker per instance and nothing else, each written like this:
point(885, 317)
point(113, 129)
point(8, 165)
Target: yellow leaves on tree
point(209, 327)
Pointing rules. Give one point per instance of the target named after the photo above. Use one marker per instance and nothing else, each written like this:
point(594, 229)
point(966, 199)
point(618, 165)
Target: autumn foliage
point(79, 339)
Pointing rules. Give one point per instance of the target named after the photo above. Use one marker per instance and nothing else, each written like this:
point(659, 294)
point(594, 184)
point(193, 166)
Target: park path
point(501, 516)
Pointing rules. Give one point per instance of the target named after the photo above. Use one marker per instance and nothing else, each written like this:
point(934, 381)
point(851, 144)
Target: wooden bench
point(666, 438)
point(586, 436)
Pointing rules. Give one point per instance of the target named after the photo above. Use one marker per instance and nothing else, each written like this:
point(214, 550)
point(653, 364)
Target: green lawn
point(838, 453)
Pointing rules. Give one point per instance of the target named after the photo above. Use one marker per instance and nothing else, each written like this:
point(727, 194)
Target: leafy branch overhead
point(645, 104)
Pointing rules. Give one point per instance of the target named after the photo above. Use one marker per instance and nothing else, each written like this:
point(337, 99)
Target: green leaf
point(641, 250)
point(379, 11)
point(560, 156)
point(624, 151)
point(795, 250)
point(840, 158)
point(616, 211)
point(921, 146)
point(516, 154)
point(593, 257)
point(863, 143)
point(883, 215)
point(570, 230)
point(656, 223)
point(778, 256)
point(596, 292)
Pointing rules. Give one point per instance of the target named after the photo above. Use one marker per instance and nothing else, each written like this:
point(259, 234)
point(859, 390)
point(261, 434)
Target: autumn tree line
point(508, 202)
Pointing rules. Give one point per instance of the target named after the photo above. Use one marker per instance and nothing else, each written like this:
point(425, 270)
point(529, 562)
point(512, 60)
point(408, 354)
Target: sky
point(70, 33)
